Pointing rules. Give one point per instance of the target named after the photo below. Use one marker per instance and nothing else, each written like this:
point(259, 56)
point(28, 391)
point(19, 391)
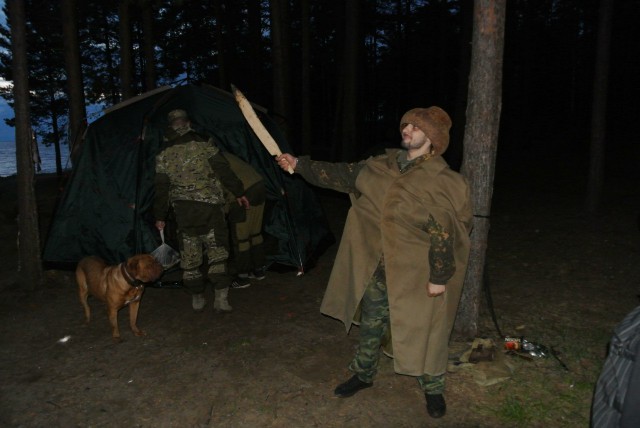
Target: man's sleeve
point(227, 177)
point(340, 177)
point(441, 259)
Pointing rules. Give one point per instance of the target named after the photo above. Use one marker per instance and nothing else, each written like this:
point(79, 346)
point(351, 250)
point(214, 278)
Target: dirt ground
point(557, 277)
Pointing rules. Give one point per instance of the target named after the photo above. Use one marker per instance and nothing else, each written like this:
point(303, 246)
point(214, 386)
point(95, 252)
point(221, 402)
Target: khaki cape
point(388, 218)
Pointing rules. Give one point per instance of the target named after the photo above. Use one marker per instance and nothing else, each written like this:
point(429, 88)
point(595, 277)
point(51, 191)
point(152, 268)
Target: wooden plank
point(254, 122)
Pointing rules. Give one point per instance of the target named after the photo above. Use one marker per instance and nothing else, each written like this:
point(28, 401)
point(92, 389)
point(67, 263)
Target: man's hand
point(286, 161)
point(434, 290)
point(160, 224)
point(243, 202)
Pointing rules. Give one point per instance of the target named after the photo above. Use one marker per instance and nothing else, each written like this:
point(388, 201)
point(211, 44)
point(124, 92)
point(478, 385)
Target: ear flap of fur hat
point(434, 122)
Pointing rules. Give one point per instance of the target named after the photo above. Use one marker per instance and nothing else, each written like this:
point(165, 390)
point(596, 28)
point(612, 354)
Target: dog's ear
point(132, 265)
point(157, 269)
point(150, 267)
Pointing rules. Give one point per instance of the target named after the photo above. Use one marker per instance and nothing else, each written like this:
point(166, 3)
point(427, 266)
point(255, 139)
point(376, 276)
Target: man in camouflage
point(191, 175)
point(403, 255)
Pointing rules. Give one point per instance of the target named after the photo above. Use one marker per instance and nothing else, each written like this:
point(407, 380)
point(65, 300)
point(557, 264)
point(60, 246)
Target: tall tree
point(28, 230)
point(100, 51)
point(74, 86)
point(305, 26)
point(599, 107)
point(280, 45)
point(480, 146)
point(454, 152)
point(126, 50)
point(48, 104)
point(255, 48)
point(148, 45)
point(187, 42)
point(351, 58)
point(218, 7)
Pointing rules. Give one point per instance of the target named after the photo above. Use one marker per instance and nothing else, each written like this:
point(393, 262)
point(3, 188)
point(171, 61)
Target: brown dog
point(118, 286)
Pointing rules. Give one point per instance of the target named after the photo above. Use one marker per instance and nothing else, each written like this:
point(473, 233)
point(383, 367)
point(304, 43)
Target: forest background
point(293, 58)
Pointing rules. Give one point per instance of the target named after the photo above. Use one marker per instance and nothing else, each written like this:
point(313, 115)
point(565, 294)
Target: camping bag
point(616, 401)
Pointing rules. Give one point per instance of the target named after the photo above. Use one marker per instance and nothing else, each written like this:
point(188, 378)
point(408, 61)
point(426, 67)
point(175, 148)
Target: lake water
point(47, 155)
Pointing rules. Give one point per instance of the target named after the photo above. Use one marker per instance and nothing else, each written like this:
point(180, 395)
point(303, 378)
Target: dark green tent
point(105, 207)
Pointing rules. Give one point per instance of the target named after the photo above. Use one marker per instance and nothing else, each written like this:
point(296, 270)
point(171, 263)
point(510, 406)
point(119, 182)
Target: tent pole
point(136, 209)
point(292, 226)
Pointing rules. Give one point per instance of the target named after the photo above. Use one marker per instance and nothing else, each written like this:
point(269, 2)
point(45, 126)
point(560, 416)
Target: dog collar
point(127, 276)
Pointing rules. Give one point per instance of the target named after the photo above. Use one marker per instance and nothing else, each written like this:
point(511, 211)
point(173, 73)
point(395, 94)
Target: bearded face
point(414, 139)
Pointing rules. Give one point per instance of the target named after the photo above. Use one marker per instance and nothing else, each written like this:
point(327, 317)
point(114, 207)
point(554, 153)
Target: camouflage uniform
point(191, 174)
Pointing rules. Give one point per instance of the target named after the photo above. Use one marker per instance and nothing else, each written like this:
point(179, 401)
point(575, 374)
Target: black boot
point(350, 387)
point(436, 407)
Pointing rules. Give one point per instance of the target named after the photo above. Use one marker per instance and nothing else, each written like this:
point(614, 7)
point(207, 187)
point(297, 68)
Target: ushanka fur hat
point(434, 122)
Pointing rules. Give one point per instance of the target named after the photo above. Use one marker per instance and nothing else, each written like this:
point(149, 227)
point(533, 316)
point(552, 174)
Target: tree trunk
point(306, 77)
point(255, 48)
point(454, 152)
point(599, 107)
point(351, 55)
point(480, 146)
point(281, 64)
point(75, 85)
point(110, 52)
point(30, 263)
point(148, 46)
point(55, 131)
point(126, 56)
point(222, 63)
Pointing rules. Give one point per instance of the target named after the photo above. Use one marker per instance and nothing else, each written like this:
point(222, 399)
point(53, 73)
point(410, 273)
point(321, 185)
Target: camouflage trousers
point(374, 326)
point(193, 249)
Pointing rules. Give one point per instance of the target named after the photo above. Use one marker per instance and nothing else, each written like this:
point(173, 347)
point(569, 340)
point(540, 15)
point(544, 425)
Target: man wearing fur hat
point(403, 255)
point(191, 175)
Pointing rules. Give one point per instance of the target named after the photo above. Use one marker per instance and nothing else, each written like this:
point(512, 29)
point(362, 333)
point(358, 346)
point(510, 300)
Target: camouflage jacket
point(191, 168)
